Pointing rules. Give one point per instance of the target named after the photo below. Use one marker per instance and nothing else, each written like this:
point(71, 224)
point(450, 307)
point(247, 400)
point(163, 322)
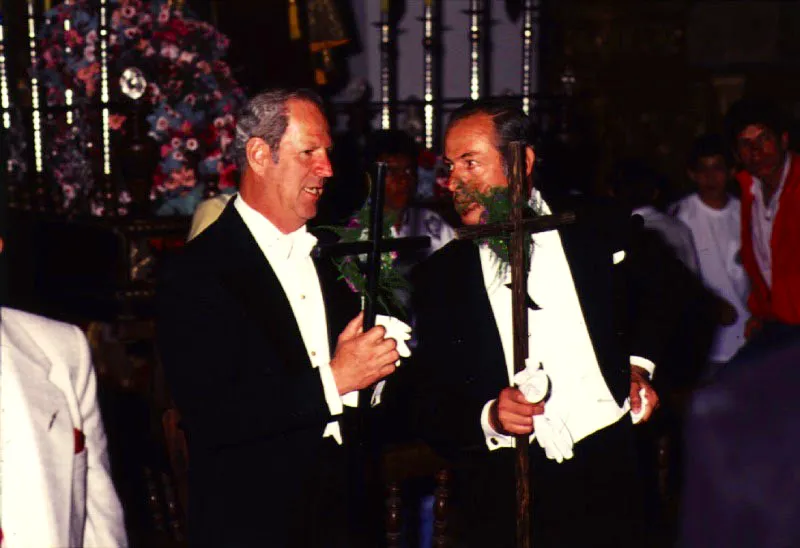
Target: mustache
point(464, 197)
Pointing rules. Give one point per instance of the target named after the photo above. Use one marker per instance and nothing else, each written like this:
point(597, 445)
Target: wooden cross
point(517, 229)
point(374, 246)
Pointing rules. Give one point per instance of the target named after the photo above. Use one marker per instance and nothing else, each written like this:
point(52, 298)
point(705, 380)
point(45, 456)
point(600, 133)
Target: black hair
point(510, 122)
point(392, 142)
point(753, 111)
point(707, 146)
point(636, 182)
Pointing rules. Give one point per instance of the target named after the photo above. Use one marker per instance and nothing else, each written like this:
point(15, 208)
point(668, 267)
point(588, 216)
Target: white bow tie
point(300, 245)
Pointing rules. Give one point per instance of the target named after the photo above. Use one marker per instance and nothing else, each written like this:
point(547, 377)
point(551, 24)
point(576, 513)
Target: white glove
point(397, 330)
point(532, 382)
point(550, 431)
point(553, 436)
point(636, 417)
point(400, 332)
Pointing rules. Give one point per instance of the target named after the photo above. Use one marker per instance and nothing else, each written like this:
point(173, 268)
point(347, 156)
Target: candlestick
point(527, 54)
point(475, 9)
point(428, 90)
point(35, 110)
point(68, 91)
point(386, 61)
point(4, 102)
point(106, 131)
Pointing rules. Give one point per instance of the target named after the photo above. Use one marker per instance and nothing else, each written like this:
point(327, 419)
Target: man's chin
point(472, 216)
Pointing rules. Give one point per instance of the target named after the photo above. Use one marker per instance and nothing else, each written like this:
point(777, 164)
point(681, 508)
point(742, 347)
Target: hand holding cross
point(518, 228)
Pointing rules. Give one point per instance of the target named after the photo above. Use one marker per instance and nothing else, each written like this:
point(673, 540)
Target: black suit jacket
point(253, 407)
point(459, 365)
point(458, 337)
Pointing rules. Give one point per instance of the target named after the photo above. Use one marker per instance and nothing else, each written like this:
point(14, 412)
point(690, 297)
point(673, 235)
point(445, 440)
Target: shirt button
point(313, 353)
point(302, 297)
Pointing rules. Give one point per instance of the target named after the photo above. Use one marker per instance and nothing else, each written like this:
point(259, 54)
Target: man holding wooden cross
point(266, 353)
point(583, 380)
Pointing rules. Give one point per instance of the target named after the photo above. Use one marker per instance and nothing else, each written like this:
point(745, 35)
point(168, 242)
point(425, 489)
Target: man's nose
point(323, 167)
point(452, 181)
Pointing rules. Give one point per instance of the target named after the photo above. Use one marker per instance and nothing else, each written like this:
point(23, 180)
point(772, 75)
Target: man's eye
point(471, 164)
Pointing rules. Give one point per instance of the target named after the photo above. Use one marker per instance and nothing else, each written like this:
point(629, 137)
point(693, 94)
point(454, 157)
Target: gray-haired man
point(268, 412)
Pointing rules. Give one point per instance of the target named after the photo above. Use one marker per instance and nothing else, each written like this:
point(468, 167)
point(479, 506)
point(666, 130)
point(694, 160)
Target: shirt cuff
point(330, 389)
point(494, 439)
point(645, 364)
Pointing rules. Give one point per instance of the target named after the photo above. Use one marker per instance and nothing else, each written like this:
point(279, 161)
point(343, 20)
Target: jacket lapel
point(463, 281)
point(38, 444)
point(254, 283)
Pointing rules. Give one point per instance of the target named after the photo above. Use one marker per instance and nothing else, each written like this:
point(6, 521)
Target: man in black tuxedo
point(585, 486)
point(264, 351)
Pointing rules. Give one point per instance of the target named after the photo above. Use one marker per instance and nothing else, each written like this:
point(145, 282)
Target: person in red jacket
point(770, 185)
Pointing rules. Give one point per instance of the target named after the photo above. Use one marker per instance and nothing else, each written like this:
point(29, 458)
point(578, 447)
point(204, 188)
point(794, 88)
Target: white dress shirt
point(420, 221)
point(763, 217)
point(558, 340)
point(289, 255)
point(718, 240)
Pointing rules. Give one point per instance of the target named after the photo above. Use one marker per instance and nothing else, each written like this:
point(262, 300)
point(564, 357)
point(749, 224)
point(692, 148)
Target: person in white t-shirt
point(398, 149)
point(713, 216)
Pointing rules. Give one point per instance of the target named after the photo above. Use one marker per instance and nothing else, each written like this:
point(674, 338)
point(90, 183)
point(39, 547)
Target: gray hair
point(266, 116)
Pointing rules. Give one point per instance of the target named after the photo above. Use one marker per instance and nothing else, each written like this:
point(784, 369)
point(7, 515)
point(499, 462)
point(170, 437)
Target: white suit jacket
point(56, 486)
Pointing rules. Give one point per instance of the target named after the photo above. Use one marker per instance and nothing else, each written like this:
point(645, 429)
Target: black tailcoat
point(459, 365)
point(253, 408)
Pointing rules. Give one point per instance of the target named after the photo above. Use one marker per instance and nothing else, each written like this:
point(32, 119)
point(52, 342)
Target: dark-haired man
point(398, 149)
point(713, 216)
point(264, 350)
point(770, 184)
point(582, 460)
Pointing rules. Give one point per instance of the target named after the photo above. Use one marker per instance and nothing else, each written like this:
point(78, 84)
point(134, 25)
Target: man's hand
point(640, 380)
point(362, 359)
point(511, 413)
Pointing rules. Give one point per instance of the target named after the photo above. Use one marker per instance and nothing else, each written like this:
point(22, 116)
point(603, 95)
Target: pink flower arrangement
point(190, 93)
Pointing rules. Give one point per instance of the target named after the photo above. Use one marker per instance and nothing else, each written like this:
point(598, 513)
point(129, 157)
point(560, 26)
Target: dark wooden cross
point(375, 245)
point(517, 228)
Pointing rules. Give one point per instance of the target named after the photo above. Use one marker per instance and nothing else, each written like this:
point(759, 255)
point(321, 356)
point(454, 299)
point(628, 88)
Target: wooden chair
point(178, 454)
point(408, 462)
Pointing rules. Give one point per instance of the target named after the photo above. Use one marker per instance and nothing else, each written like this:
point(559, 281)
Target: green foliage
point(352, 268)
point(497, 209)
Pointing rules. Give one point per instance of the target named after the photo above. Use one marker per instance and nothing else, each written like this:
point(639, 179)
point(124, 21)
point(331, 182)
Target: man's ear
point(785, 140)
point(691, 175)
point(530, 158)
point(259, 155)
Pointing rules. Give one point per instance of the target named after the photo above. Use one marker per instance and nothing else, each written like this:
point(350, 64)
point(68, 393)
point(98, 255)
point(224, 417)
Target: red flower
point(179, 26)
point(227, 175)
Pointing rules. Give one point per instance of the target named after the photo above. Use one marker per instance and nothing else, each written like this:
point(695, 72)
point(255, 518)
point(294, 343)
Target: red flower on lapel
point(80, 440)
